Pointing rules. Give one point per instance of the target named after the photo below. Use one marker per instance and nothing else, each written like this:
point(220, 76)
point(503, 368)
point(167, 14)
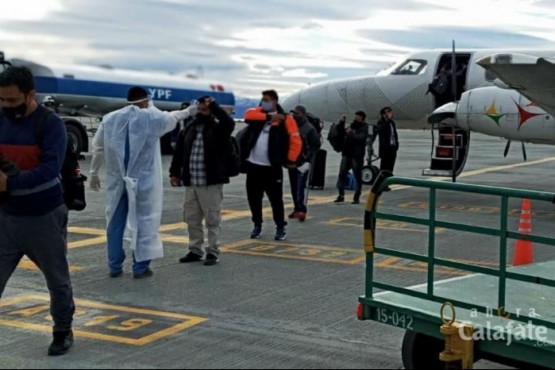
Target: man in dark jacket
point(199, 163)
point(389, 141)
point(354, 150)
point(34, 218)
point(270, 142)
point(298, 177)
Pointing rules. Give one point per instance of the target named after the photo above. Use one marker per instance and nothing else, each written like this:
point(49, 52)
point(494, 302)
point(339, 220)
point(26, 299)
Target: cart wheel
point(422, 351)
point(369, 174)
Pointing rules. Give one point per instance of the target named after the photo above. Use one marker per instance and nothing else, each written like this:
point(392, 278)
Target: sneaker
point(190, 257)
point(356, 201)
point(281, 235)
point(148, 273)
point(63, 341)
point(340, 199)
point(257, 232)
point(211, 260)
point(116, 274)
point(302, 216)
point(294, 215)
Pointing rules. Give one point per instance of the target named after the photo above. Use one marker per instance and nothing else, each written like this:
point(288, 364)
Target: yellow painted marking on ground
point(482, 171)
point(126, 326)
point(172, 227)
point(26, 264)
point(86, 231)
point(87, 242)
point(175, 239)
point(506, 167)
point(415, 266)
point(382, 224)
point(296, 252)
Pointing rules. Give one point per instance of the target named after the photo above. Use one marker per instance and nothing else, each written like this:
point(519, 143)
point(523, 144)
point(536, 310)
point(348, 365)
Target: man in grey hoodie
point(299, 177)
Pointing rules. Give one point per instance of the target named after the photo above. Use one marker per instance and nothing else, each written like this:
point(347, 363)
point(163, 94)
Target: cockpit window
point(411, 67)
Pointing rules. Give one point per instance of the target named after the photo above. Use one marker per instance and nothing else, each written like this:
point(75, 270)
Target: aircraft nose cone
point(291, 101)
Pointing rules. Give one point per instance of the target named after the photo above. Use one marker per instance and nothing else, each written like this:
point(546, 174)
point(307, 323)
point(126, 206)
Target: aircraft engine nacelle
point(505, 113)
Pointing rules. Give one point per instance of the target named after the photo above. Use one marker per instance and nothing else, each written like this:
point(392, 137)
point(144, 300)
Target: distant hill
point(242, 104)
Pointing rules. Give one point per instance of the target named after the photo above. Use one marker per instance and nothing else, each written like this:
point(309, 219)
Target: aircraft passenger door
point(442, 86)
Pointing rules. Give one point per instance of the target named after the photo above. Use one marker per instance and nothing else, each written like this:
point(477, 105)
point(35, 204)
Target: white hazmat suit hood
point(143, 178)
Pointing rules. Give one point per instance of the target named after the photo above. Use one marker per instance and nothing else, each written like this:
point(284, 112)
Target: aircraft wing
point(533, 77)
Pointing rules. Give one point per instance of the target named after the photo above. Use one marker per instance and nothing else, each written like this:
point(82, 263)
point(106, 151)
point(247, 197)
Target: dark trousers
point(388, 161)
point(299, 187)
point(267, 180)
point(44, 240)
point(347, 164)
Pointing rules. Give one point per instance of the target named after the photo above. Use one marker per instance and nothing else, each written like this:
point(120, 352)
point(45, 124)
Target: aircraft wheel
point(422, 351)
point(76, 138)
point(370, 174)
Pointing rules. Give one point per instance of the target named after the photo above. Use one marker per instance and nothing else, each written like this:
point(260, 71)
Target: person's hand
point(175, 182)
point(343, 118)
point(304, 168)
point(192, 110)
point(3, 182)
point(95, 183)
point(278, 118)
point(348, 130)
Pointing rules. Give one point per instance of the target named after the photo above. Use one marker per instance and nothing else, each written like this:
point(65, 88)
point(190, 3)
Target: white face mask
point(267, 106)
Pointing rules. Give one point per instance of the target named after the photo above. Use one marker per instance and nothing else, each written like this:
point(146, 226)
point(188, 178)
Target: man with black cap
point(199, 162)
point(354, 150)
point(128, 140)
point(299, 176)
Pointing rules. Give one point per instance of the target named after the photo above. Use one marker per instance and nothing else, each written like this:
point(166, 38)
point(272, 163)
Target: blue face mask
point(267, 106)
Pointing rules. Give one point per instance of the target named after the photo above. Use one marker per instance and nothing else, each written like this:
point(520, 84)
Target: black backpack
point(233, 159)
point(439, 85)
point(336, 138)
point(73, 181)
point(315, 121)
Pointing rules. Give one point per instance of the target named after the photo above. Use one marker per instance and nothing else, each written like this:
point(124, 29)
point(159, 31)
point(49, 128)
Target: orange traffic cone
point(524, 254)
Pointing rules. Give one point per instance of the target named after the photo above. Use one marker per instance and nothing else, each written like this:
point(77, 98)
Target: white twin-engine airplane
point(508, 94)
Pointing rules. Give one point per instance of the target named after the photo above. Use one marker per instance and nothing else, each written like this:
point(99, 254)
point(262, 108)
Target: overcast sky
point(253, 45)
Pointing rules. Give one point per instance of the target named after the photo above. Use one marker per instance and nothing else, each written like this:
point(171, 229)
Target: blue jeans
point(299, 186)
point(116, 231)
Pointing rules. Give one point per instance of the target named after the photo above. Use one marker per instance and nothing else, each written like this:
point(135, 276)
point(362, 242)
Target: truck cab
point(75, 129)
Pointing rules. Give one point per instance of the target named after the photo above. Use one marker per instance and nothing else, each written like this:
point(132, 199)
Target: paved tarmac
point(267, 304)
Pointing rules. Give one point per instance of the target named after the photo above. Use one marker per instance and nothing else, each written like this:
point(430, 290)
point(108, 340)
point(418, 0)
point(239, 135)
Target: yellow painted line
point(87, 242)
point(86, 231)
point(388, 262)
point(190, 321)
point(506, 167)
point(175, 239)
point(382, 224)
point(261, 248)
point(26, 264)
point(172, 227)
point(483, 171)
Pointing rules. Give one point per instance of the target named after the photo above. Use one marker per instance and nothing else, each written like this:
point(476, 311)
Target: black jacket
point(384, 131)
point(283, 137)
point(355, 142)
point(217, 134)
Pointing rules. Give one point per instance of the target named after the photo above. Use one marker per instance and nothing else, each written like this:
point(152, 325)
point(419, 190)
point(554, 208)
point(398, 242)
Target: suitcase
point(318, 175)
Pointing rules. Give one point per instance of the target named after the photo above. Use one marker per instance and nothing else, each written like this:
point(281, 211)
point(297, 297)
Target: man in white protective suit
point(128, 141)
